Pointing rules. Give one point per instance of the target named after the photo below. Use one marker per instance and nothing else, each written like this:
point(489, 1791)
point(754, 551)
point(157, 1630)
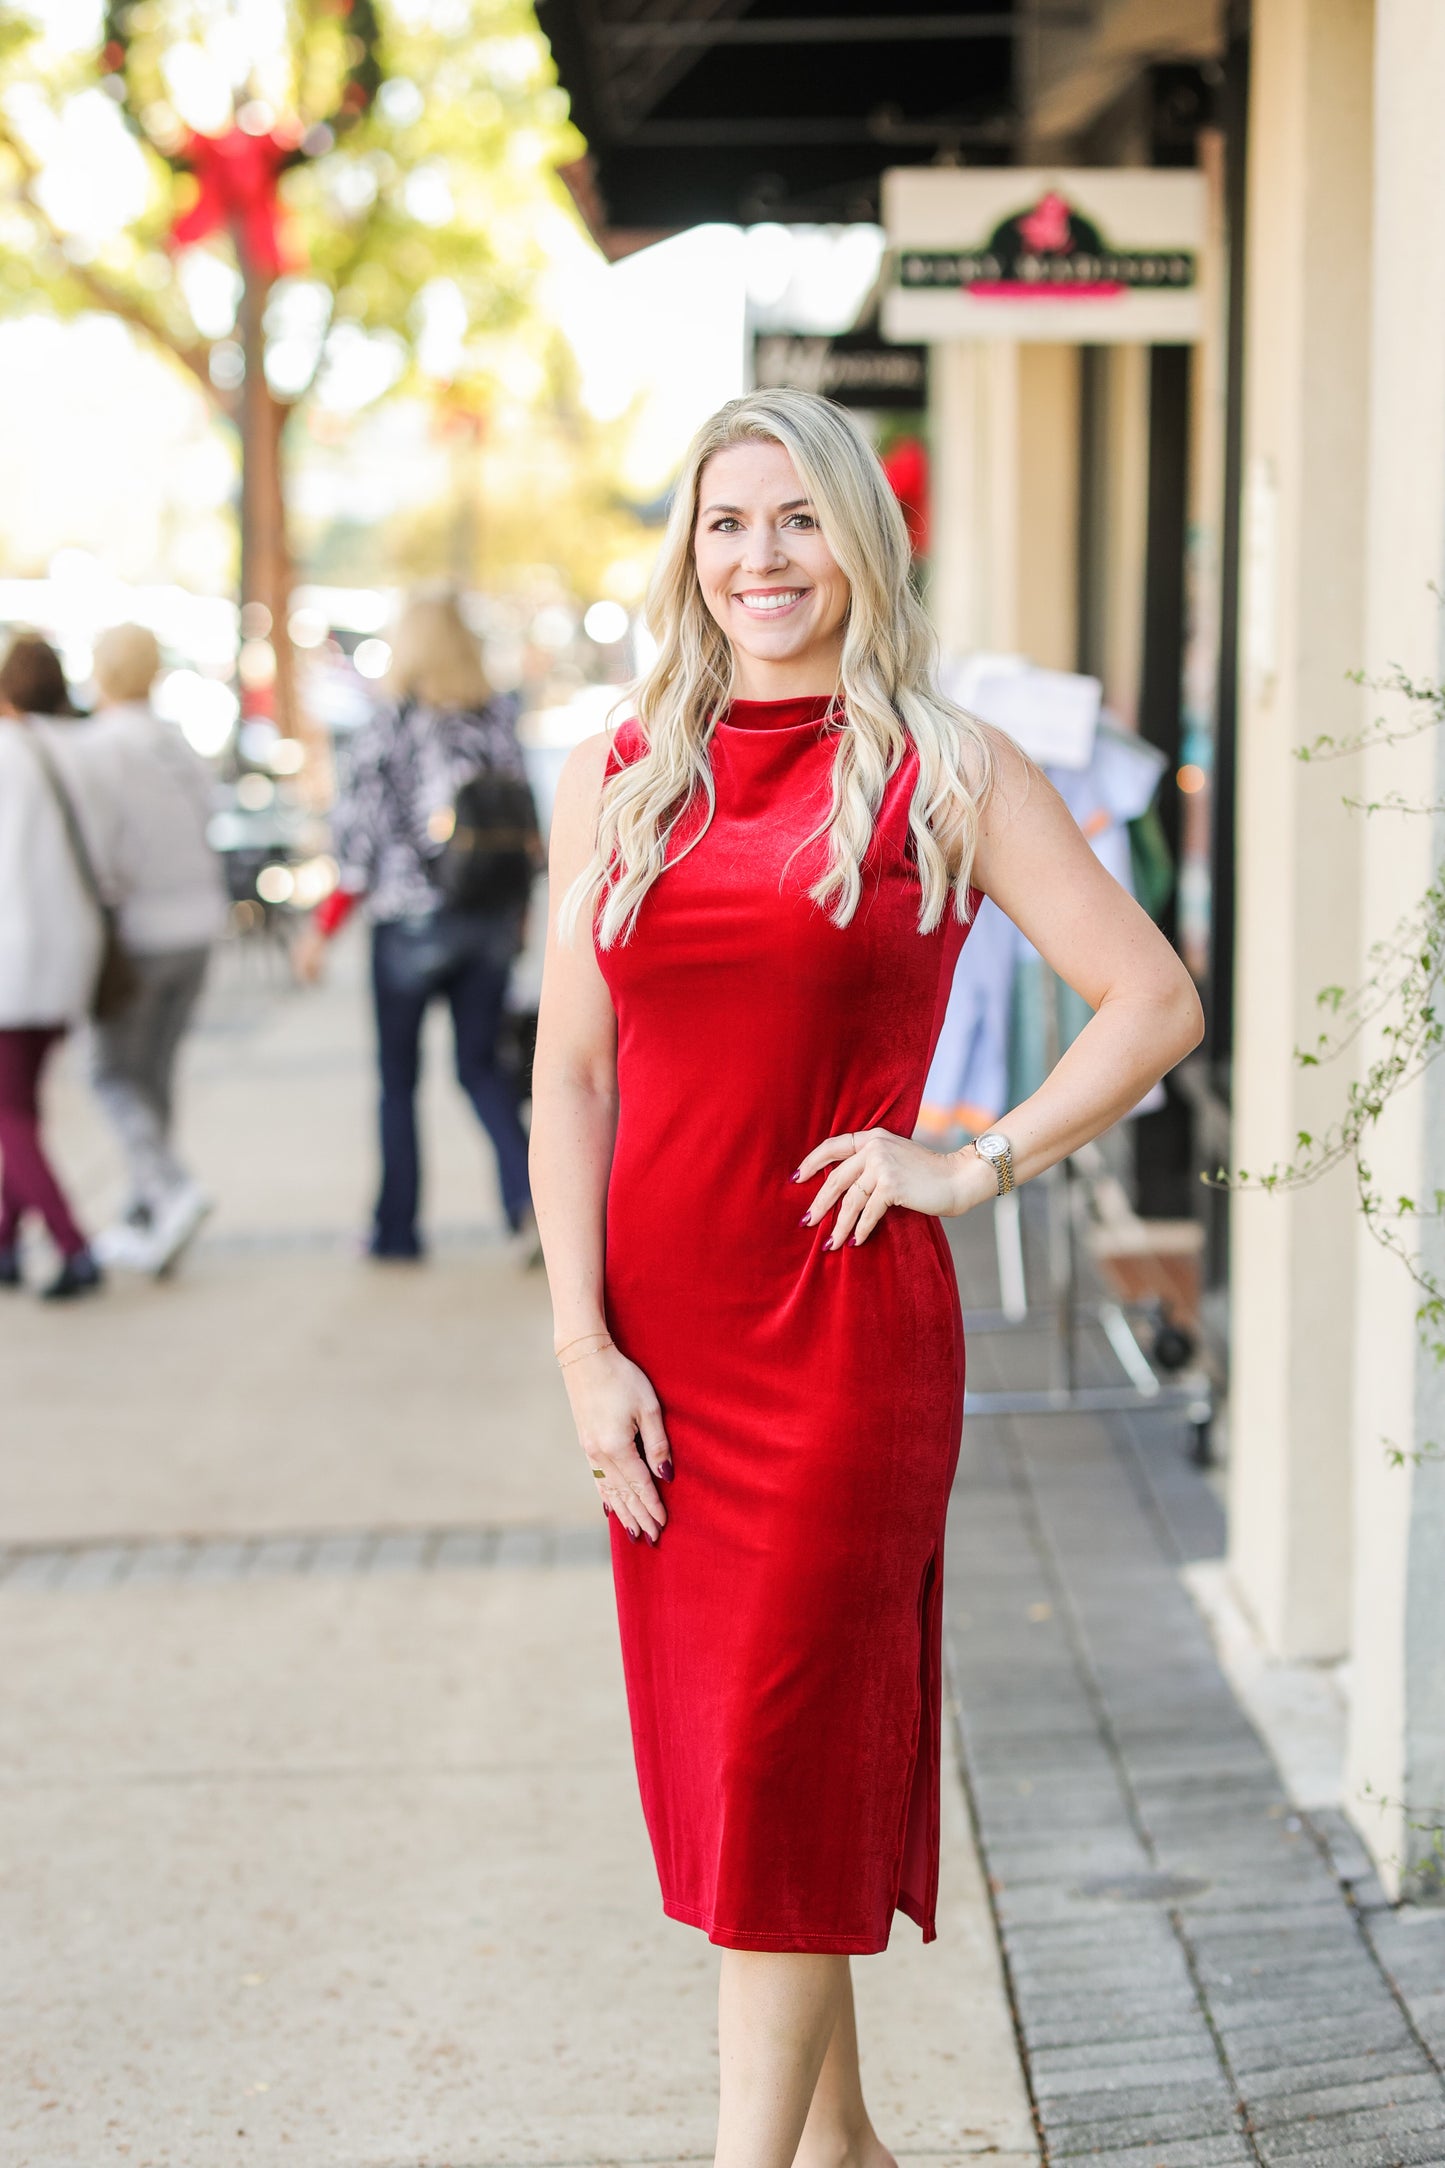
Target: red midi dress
point(782, 1642)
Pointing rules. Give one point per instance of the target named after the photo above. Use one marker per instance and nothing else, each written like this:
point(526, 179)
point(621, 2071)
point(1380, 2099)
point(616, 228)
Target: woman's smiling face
point(767, 574)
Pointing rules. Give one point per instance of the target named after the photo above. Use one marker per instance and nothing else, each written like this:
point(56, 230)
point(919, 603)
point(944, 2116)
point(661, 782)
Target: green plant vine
point(1429, 1872)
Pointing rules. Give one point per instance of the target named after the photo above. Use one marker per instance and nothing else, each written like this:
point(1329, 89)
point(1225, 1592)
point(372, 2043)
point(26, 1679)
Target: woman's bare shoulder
point(585, 765)
point(585, 769)
point(997, 772)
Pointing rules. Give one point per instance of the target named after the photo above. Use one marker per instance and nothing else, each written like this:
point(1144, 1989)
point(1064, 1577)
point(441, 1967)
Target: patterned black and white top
point(402, 772)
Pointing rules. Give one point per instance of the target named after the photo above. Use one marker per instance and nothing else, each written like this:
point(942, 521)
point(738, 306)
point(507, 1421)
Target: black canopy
point(790, 109)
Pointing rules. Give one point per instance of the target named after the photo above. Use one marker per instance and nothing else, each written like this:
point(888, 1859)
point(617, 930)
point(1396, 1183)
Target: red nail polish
point(795, 1177)
point(806, 1220)
point(632, 1533)
point(664, 1469)
point(852, 1242)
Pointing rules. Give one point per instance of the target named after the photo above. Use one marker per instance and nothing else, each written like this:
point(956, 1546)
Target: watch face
point(991, 1146)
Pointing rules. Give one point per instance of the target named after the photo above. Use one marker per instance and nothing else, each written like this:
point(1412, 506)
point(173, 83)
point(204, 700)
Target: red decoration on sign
point(1047, 226)
point(237, 174)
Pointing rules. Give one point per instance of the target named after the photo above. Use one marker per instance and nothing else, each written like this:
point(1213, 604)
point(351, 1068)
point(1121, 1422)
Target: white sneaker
point(124, 1248)
point(175, 1221)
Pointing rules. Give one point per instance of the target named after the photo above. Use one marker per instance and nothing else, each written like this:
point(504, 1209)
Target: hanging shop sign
point(858, 369)
point(1096, 256)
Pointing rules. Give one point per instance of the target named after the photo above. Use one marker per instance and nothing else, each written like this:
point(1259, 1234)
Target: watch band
point(994, 1148)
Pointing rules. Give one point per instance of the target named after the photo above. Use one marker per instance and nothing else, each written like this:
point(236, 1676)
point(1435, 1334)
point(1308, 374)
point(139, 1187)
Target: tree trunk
point(266, 569)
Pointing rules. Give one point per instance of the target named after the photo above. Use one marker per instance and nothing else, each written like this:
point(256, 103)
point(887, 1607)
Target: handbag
point(116, 979)
point(492, 847)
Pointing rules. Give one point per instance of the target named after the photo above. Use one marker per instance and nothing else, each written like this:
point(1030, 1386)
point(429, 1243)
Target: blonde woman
point(154, 803)
point(446, 897)
point(762, 884)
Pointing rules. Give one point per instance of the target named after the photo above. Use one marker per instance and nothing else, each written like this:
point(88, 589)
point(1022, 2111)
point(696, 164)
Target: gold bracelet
point(600, 1334)
point(600, 1349)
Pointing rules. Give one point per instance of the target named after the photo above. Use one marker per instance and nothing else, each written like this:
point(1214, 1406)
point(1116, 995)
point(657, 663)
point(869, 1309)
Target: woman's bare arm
point(574, 1076)
point(574, 1122)
point(1037, 866)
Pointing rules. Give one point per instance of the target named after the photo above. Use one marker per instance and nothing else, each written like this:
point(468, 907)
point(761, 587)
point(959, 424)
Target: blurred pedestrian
point(435, 829)
point(51, 945)
point(152, 793)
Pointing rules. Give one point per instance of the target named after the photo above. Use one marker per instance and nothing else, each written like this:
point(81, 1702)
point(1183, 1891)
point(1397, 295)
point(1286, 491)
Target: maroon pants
point(27, 1180)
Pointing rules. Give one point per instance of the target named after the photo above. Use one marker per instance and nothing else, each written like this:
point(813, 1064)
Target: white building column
point(1396, 1770)
point(955, 581)
point(1005, 431)
point(1306, 371)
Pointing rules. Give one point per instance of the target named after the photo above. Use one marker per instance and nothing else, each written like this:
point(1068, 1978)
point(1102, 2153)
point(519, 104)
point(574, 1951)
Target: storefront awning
point(789, 109)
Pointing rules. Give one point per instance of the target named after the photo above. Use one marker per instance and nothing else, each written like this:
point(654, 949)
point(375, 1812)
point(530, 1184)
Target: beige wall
point(965, 485)
point(1046, 568)
point(1122, 526)
point(1392, 1669)
point(1005, 426)
point(1305, 405)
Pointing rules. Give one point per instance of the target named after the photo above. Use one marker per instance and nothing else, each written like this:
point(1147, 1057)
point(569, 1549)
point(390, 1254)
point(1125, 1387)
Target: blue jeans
point(467, 956)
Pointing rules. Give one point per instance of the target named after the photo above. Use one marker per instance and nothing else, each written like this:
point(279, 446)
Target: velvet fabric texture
point(782, 1643)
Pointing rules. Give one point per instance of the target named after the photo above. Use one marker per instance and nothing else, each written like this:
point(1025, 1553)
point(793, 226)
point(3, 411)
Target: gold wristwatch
point(994, 1146)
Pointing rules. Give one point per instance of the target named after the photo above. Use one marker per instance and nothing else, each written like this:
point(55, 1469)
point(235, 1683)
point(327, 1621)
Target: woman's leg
point(777, 2012)
point(838, 2132)
point(181, 975)
point(30, 1184)
point(120, 1062)
point(476, 994)
point(400, 1010)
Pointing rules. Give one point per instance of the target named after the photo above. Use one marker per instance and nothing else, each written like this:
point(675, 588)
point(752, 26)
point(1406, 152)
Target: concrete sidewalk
point(318, 1835)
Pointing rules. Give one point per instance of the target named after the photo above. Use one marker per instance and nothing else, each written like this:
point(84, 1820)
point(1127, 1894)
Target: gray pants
point(133, 1064)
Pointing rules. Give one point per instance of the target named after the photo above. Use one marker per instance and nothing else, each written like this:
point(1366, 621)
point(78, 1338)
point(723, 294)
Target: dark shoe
point(78, 1275)
point(10, 1273)
point(395, 1253)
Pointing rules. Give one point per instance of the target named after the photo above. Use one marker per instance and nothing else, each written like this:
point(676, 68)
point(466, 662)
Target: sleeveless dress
point(782, 1642)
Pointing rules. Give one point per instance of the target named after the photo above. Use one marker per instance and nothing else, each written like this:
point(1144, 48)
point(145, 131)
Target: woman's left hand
point(872, 1169)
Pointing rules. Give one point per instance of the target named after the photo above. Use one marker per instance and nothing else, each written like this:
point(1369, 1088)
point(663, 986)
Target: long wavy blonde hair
point(885, 687)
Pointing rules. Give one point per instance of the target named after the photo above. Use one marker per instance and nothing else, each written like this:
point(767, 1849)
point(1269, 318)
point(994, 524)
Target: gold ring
point(599, 1475)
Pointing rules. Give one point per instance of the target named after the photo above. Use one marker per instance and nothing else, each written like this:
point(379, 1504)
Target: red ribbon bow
point(237, 175)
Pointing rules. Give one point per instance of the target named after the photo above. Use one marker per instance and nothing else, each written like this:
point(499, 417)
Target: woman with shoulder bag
point(435, 829)
point(51, 948)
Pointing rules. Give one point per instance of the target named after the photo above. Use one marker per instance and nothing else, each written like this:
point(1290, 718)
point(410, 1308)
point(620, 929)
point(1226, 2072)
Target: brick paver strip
point(69, 1569)
point(348, 1553)
point(1184, 2153)
point(1192, 1984)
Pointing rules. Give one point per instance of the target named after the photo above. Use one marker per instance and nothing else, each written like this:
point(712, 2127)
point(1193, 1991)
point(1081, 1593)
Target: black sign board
point(858, 369)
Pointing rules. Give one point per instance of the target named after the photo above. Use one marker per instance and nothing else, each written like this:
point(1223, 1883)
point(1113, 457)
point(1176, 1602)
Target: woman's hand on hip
point(620, 1427)
point(872, 1170)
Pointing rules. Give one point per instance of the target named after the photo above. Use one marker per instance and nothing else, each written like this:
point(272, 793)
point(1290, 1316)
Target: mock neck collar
point(806, 709)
